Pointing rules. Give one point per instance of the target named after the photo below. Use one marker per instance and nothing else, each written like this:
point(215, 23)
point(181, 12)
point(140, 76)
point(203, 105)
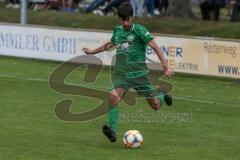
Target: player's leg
point(154, 97)
point(155, 103)
point(115, 97)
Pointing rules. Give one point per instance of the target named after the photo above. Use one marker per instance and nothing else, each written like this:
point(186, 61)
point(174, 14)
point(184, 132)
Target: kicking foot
point(111, 135)
point(168, 99)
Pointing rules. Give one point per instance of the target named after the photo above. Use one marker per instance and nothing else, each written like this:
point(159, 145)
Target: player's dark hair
point(125, 11)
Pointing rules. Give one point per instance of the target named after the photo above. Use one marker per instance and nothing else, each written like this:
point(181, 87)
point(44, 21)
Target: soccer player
point(131, 70)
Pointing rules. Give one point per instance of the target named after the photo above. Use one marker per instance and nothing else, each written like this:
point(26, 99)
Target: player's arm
point(102, 48)
point(167, 71)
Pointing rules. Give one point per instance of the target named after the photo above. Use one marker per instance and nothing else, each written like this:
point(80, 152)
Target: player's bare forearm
point(168, 72)
point(159, 53)
point(102, 48)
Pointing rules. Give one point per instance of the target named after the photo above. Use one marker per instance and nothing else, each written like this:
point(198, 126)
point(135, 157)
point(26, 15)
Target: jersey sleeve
point(144, 34)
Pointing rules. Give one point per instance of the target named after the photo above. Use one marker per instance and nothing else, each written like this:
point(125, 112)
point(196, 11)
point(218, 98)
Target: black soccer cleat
point(168, 99)
point(111, 135)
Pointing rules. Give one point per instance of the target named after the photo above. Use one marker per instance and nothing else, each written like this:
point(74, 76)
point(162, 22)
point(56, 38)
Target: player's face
point(126, 23)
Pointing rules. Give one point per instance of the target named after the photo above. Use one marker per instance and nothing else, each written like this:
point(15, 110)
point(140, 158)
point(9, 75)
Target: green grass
point(163, 25)
point(30, 130)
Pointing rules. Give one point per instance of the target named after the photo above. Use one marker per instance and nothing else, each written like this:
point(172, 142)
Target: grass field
point(30, 130)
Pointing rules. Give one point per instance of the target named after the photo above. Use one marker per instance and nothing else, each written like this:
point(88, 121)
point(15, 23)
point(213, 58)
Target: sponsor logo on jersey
point(130, 38)
point(124, 46)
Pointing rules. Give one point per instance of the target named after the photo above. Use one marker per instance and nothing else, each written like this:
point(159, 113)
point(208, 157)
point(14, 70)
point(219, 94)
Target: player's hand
point(168, 72)
point(88, 51)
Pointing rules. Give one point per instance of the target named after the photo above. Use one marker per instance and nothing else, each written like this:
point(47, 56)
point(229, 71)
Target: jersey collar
point(133, 25)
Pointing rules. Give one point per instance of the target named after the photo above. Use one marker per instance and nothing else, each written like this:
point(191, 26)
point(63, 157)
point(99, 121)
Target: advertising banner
point(204, 56)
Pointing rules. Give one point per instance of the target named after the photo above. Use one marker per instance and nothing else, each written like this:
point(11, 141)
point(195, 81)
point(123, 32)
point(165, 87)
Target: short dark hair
point(125, 10)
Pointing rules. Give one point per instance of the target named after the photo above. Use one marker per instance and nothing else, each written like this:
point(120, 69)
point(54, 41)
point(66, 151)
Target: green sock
point(113, 118)
point(161, 98)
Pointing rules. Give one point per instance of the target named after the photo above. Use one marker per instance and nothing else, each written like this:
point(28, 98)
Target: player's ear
point(131, 18)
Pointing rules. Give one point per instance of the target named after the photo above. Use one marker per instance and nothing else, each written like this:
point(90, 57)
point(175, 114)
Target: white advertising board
point(187, 55)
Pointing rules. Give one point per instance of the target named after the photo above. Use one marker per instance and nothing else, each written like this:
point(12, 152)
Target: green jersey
point(131, 46)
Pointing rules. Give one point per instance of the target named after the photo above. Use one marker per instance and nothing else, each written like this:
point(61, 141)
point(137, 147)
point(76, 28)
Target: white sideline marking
point(23, 78)
point(209, 102)
point(98, 87)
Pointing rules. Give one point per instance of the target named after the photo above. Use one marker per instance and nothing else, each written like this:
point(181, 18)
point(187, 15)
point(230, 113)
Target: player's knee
point(114, 99)
point(155, 106)
point(154, 103)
